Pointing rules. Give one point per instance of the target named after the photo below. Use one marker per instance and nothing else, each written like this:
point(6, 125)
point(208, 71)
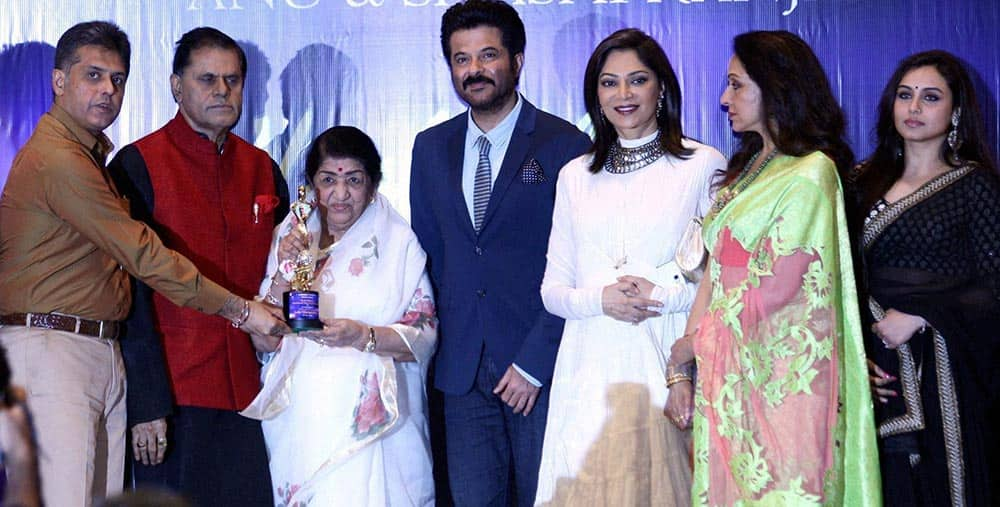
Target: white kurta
point(345, 427)
point(606, 439)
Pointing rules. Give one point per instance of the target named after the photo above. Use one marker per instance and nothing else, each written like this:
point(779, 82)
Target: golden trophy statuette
point(301, 303)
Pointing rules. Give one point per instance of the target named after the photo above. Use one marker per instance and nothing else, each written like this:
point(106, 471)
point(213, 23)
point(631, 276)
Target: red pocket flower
point(266, 203)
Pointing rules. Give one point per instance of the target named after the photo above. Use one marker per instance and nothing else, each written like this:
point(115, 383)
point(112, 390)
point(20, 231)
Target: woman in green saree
point(781, 407)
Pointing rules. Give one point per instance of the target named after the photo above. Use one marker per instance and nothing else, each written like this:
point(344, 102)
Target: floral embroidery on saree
point(781, 383)
point(370, 415)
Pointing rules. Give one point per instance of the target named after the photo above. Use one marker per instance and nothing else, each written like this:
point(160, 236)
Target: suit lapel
point(456, 158)
point(517, 150)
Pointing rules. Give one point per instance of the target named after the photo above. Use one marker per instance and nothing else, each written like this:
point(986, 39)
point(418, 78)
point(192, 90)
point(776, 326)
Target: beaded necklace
point(731, 191)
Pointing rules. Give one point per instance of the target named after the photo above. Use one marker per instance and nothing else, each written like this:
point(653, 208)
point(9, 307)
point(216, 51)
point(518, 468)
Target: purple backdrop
point(377, 64)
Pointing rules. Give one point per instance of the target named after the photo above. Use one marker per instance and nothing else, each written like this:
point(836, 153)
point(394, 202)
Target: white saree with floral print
point(342, 426)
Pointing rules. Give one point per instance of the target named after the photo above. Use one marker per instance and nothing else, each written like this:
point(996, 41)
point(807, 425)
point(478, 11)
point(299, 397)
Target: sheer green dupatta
point(783, 412)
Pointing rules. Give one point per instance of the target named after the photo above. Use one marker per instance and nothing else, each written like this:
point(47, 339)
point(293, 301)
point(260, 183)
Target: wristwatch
point(370, 346)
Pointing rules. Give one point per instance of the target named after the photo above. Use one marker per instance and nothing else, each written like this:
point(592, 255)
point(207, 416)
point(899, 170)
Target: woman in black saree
point(927, 207)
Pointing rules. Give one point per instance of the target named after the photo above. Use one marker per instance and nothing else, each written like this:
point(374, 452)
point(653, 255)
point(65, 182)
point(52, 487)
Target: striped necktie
point(481, 190)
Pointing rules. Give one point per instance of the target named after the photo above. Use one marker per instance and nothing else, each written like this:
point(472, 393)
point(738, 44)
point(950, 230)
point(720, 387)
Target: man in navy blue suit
point(481, 194)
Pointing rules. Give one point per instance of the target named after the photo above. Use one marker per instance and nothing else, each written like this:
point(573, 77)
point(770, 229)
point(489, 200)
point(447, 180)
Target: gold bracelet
point(678, 378)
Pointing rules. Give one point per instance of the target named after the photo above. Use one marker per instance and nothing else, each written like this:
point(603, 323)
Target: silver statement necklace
point(623, 160)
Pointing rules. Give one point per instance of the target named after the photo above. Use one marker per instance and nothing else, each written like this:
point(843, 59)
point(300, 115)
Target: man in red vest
point(216, 199)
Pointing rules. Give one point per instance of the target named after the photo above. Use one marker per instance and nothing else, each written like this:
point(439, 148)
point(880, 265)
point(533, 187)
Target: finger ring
point(141, 444)
point(885, 344)
point(161, 440)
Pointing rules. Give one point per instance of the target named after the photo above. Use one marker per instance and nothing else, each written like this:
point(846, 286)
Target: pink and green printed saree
point(783, 411)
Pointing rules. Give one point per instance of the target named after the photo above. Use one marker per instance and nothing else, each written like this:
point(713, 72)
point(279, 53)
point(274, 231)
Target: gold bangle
point(684, 368)
point(678, 378)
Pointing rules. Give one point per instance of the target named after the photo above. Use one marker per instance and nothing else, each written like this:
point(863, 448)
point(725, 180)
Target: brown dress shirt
point(67, 240)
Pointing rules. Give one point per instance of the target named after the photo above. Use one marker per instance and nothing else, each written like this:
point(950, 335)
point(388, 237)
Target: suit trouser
point(493, 454)
point(76, 396)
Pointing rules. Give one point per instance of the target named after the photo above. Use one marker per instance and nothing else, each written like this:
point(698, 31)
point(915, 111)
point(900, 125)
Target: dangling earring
point(601, 118)
point(954, 142)
point(659, 104)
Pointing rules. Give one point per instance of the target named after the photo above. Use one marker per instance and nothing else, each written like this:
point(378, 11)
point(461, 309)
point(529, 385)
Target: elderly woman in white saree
point(344, 408)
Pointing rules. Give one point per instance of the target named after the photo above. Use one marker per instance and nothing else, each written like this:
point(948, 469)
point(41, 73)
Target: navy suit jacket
point(487, 285)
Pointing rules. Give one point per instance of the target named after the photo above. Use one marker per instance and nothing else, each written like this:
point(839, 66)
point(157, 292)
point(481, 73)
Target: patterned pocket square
point(532, 173)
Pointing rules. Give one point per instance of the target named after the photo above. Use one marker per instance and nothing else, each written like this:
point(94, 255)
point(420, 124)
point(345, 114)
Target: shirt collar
point(503, 129)
point(100, 146)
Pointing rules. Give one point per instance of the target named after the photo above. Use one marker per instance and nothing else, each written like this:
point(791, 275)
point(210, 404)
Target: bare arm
point(680, 401)
point(682, 351)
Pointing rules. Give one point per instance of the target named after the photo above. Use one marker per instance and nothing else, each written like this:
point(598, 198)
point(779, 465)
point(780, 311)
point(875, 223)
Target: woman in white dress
point(344, 408)
point(620, 213)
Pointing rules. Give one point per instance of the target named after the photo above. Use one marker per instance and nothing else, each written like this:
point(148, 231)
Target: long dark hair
point(876, 175)
point(651, 55)
point(803, 115)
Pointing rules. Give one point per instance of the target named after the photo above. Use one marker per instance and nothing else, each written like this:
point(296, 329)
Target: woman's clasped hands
point(628, 300)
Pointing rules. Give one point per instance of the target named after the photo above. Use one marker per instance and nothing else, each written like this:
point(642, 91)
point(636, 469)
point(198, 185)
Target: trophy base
point(301, 308)
point(299, 325)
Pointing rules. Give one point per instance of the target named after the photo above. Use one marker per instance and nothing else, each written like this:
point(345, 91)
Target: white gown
point(606, 439)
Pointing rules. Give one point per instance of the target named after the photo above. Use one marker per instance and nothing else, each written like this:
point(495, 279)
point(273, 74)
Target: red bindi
point(340, 169)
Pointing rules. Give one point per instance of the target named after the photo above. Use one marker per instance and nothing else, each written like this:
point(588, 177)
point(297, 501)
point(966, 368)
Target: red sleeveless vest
point(203, 208)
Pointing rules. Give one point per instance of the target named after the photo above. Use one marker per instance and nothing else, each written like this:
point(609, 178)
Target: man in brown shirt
point(67, 244)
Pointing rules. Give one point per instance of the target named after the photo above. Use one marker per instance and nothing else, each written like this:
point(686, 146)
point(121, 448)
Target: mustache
point(469, 81)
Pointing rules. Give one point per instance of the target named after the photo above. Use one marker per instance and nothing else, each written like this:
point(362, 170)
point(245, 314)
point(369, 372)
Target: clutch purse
point(690, 255)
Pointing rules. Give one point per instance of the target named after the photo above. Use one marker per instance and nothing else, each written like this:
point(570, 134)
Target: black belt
point(107, 329)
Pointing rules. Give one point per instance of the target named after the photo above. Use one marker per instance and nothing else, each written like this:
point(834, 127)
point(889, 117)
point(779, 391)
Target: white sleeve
point(677, 295)
point(527, 376)
point(559, 292)
point(714, 165)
